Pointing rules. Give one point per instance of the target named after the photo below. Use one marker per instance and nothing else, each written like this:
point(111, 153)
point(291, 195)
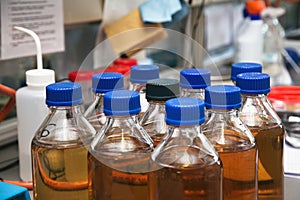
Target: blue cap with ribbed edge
point(194, 78)
point(121, 103)
point(253, 83)
point(184, 111)
point(63, 94)
point(143, 73)
point(223, 97)
point(243, 67)
point(107, 81)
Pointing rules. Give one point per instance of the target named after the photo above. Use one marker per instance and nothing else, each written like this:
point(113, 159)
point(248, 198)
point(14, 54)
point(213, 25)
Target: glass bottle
point(274, 35)
point(158, 91)
point(193, 82)
point(102, 83)
point(120, 152)
point(187, 165)
point(233, 141)
point(243, 67)
point(60, 146)
point(260, 117)
point(139, 75)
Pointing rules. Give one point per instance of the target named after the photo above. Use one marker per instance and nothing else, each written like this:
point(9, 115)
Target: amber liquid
point(118, 169)
point(270, 154)
point(60, 173)
point(240, 181)
point(108, 183)
point(189, 177)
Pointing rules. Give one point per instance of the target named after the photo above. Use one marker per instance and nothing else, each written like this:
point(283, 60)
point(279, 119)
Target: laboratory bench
point(9, 168)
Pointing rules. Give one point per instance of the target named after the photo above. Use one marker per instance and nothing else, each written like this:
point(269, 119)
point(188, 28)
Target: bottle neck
point(195, 93)
point(222, 114)
point(96, 106)
point(157, 103)
point(183, 135)
point(138, 87)
point(76, 109)
point(37, 87)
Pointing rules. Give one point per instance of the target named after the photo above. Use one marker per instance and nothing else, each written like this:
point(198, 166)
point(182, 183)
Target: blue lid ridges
point(243, 67)
point(143, 73)
point(185, 111)
point(63, 94)
point(194, 78)
point(107, 81)
point(121, 103)
point(253, 83)
point(222, 97)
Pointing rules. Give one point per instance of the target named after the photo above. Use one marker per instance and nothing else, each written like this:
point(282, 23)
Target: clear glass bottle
point(274, 34)
point(120, 153)
point(102, 83)
point(193, 82)
point(260, 117)
point(233, 141)
point(243, 67)
point(60, 146)
point(158, 91)
point(188, 167)
point(139, 75)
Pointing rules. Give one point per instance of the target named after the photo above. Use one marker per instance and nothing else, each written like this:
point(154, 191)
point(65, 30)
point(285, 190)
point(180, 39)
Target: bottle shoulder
point(258, 111)
point(188, 145)
point(27, 91)
point(64, 127)
point(154, 114)
point(122, 134)
point(228, 133)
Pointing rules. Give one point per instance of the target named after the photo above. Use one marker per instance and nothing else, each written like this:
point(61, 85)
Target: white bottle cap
point(40, 77)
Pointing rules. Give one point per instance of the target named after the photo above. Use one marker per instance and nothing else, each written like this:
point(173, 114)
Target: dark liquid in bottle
point(239, 174)
point(187, 177)
point(118, 175)
point(269, 141)
point(239, 159)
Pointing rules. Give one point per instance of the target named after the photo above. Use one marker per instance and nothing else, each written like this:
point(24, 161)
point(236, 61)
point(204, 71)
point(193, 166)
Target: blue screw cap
point(107, 81)
point(194, 78)
point(243, 67)
point(253, 83)
point(121, 103)
point(185, 111)
point(143, 73)
point(63, 94)
point(222, 97)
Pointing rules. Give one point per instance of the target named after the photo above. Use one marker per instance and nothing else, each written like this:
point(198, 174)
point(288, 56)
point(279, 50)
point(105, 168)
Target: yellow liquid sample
point(60, 173)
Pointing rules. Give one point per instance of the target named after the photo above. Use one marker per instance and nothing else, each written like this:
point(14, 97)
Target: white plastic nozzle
point(37, 44)
point(39, 76)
